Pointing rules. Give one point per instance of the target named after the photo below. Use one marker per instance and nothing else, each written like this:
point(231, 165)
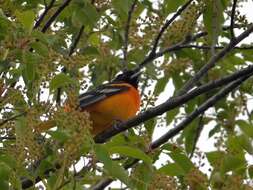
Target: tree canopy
point(53, 50)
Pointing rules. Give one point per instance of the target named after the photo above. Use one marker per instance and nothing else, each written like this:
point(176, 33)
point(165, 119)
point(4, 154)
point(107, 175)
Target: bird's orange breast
point(118, 107)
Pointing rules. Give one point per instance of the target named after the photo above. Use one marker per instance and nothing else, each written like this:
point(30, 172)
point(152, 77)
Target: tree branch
point(170, 104)
point(201, 109)
point(42, 16)
point(125, 48)
point(216, 47)
point(232, 22)
point(211, 63)
point(173, 132)
point(54, 16)
point(167, 24)
point(71, 51)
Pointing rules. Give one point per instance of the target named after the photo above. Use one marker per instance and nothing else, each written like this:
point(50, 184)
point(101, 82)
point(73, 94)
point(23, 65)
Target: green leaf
point(4, 172)
point(214, 130)
point(59, 135)
point(150, 126)
point(85, 15)
point(142, 176)
point(170, 115)
point(250, 171)
point(8, 160)
point(246, 128)
point(190, 135)
point(122, 7)
point(232, 163)
point(245, 143)
point(215, 157)
point(172, 169)
point(27, 19)
point(29, 70)
point(131, 152)
point(60, 80)
point(213, 19)
point(4, 27)
point(40, 48)
point(182, 160)
point(112, 168)
point(161, 84)
point(172, 5)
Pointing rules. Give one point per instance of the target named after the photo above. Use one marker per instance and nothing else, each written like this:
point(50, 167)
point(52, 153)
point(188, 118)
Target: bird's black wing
point(99, 94)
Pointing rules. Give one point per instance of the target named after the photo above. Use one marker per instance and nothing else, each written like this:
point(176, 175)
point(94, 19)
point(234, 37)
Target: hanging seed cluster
point(77, 127)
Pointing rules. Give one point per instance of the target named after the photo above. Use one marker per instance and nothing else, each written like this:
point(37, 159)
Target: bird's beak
point(135, 75)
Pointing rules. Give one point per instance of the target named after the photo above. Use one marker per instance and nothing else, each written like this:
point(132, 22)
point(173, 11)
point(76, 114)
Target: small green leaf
point(172, 5)
point(161, 84)
point(213, 19)
point(170, 115)
point(112, 168)
point(121, 7)
point(59, 135)
point(132, 152)
point(4, 172)
point(215, 157)
point(250, 171)
point(40, 48)
point(231, 163)
point(29, 70)
point(172, 169)
point(26, 18)
point(182, 160)
point(142, 176)
point(246, 128)
point(60, 80)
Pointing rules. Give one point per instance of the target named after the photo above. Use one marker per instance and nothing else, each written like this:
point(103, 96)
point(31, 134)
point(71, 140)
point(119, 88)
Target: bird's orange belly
point(116, 108)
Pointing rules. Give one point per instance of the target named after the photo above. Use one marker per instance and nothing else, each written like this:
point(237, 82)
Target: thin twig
point(125, 48)
point(77, 39)
point(11, 118)
point(42, 16)
point(211, 63)
point(216, 47)
point(54, 16)
point(197, 134)
point(167, 24)
point(232, 20)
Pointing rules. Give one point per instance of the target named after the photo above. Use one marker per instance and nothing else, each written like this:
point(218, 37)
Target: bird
point(112, 102)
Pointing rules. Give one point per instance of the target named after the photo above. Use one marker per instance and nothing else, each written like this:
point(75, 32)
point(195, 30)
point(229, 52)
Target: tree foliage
point(52, 50)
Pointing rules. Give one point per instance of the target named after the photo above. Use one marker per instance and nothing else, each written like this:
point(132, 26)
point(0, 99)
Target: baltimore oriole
point(112, 102)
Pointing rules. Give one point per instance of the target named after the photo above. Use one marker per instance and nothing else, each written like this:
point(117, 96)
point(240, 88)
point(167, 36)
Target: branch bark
point(42, 16)
point(55, 15)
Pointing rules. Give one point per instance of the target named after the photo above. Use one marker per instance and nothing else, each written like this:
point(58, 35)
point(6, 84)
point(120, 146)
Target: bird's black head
point(130, 76)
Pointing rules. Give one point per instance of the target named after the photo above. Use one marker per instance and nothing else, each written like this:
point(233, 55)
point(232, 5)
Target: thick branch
point(170, 104)
point(201, 109)
point(54, 16)
point(171, 133)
